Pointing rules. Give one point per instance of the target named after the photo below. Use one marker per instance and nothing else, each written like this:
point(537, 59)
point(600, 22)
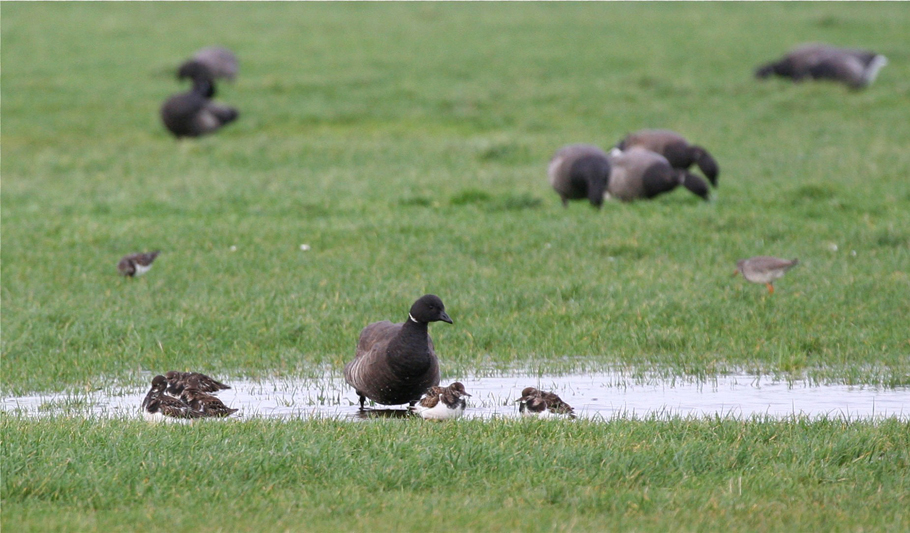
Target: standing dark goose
point(396, 363)
point(192, 113)
point(638, 173)
point(580, 171)
point(675, 148)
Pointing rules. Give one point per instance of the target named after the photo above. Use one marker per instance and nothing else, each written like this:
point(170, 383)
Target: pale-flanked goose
point(639, 173)
point(221, 62)
point(177, 381)
point(764, 269)
point(204, 402)
point(192, 113)
point(675, 148)
point(395, 363)
point(158, 406)
point(441, 403)
point(856, 68)
point(132, 265)
point(534, 402)
point(579, 171)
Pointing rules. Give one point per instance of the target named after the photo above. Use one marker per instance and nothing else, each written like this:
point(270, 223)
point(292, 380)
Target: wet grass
point(400, 475)
point(406, 144)
point(411, 158)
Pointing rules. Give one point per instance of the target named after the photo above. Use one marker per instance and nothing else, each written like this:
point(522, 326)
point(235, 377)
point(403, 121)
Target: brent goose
point(764, 269)
point(675, 148)
point(136, 264)
point(203, 402)
point(441, 403)
point(640, 173)
point(579, 171)
point(856, 68)
point(192, 113)
point(177, 381)
point(221, 62)
point(395, 363)
point(535, 402)
point(157, 406)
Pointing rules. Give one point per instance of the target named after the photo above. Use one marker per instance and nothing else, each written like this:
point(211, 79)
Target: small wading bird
point(764, 269)
point(158, 406)
point(204, 402)
point(136, 264)
point(177, 382)
point(534, 402)
point(441, 403)
point(396, 363)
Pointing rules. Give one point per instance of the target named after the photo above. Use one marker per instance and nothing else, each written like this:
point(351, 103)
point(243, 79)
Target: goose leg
point(362, 400)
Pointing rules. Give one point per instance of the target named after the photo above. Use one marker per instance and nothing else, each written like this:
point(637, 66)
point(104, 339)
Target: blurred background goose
point(580, 171)
point(675, 148)
point(192, 113)
point(221, 62)
point(856, 68)
point(638, 173)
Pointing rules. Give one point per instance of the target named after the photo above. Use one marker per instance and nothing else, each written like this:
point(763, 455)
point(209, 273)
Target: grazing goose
point(192, 113)
point(136, 264)
point(675, 148)
point(177, 381)
point(764, 269)
point(534, 402)
point(395, 363)
point(441, 403)
point(157, 406)
point(580, 171)
point(856, 68)
point(640, 173)
point(221, 62)
point(204, 402)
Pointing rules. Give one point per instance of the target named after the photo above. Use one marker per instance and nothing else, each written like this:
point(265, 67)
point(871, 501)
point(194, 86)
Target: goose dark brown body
point(673, 146)
point(580, 171)
point(396, 363)
point(637, 173)
point(192, 113)
point(221, 62)
point(856, 68)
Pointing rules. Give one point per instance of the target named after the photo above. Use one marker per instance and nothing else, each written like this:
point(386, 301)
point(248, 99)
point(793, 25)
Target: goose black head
point(706, 163)
point(429, 308)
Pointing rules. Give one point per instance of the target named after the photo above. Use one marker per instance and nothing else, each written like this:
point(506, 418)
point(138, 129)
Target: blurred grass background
point(407, 145)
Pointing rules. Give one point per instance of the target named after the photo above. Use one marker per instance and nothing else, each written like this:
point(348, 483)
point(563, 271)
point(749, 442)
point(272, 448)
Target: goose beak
point(445, 318)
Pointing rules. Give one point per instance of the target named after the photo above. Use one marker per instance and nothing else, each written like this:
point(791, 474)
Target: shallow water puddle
point(603, 395)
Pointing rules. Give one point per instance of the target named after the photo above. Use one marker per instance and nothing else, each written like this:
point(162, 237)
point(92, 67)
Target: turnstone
point(136, 264)
point(158, 406)
point(177, 382)
point(440, 403)
point(552, 403)
point(204, 402)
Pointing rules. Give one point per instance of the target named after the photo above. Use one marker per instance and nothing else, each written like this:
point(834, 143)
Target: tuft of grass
point(657, 474)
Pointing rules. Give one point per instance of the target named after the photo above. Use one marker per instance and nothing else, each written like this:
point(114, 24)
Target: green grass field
point(407, 144)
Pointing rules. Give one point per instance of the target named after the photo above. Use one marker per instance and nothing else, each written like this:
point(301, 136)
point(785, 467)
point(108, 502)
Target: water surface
point(598, 395)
